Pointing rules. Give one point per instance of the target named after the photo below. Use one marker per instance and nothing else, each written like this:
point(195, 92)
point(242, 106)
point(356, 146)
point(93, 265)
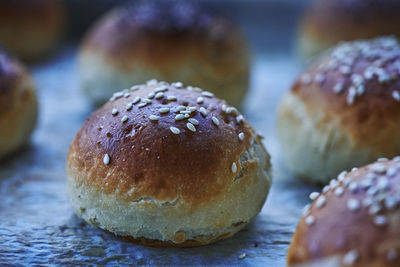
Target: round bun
point(344, 111)
point(355, 221)
point(167, 40)
point(30, 28)
point(165, 165)
point(18, 105)
point(346, 21)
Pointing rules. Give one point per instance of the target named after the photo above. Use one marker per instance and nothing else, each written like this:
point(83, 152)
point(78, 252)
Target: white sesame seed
point(190, 127)
point(374, 208)
point(396, 95)
point(338, 88)
point(339, 191)
point(350, 257)
point(313, 195)
point(193, 121)
point(172, 98)
point(319, 78)
point(382, 159)
point(383, 183)
point(333, 183)
point(207, 94)
point(390, 203)
point(241, 136)
point(203, 111)
point(141, 105)
point(147, 101)
point(154, 117)
point(309, 220)
point(152, 82)
point(163, 110)
point(380, 220)
point(391, 171)
point(136, 100)
point(215, 121)
point(187, 116)
point(135, 88)
point(200, 100)
point(126, 95)
point(159, 95)
point(320, 202)
point(106, 159)
point(192, 109)
point(174, 130)
point(242, 256)
point(306, 209)
point(397, 159)
point(239, 119)
point(234, 167)
point(129, 106)
point(114, 111)
point(151, 95)
point(342, 175)
point(177, 84)
point(161, 89)
point(344, 69)
point(180, 108)
point(353, 186)
point(326, 188)
point(379, 168)
point(124, 119)
point(392, 255)
point(185, 112)
point(353, 204)
point(179, 117)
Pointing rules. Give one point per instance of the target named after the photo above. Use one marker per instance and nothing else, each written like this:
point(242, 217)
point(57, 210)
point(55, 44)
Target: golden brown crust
point(29, 28)
point(350, 20)
point(357, 214)
point(366, 101)
point(152, 159)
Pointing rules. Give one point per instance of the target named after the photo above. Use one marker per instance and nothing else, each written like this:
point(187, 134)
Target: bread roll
point(164, 165)
point(328, 22)
point(355, 221)
point(31, 28)
point(18, 105)
point(343, 111)
point(167, 40)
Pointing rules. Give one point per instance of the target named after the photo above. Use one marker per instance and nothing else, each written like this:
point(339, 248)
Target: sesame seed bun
point(18, 105)
point(165, 165)
point(353, 222)
point(343, 111)
point(31, 28)
point(167, 40)
point(346, 21)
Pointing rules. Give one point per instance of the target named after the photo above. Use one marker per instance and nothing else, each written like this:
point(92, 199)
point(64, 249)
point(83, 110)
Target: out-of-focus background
point(37, 224)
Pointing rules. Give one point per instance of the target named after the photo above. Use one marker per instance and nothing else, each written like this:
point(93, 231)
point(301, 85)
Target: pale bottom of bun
point(315, 150)
point(17, 123)
point(175, 222)
point(100, 79)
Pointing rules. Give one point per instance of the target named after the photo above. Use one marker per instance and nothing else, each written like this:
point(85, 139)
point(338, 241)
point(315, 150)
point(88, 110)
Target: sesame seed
point(353, 204)
point(319, 78)
point(215, 121)
point(242, 256)
point(326, 188)
point(306, 209)
point(172, 98)
point(192, 109)
point(177, 84)
point(207, 94)
point(313, 195)
point(154, 117)
point(306, 78)
point(321, 200)
point(396, 95)
point(374, 209)
point(391, 172)
point(397, 159)
point(382, 159)
point(338, 88)
point(380, 220)
point(339, 191)
point(174, 130)
point(179, 117)
point(241, 136)
point(106, 159)
point(141, 105)
point(378, 168)
point(185, 112)
point(124, 119)
point(129, 106)
point(159, 95)
point(350, 257)
point(126, 95)
point(310, 220)
point(187, 116)
point(190, 127)
point(163, 110)
point(180, 108)
point(152, 82)
point(353, 186)
point(148, 101)
point(193, 121)
point(161, 89)
point(200, 100)
point(114, 111)
point(151, 95)
point(234, 167)
point(203, 111)
point(136, 100)
point(135, 88)
point(342, 175)
point(344, 69)
point(392, 255)
point(354, 169)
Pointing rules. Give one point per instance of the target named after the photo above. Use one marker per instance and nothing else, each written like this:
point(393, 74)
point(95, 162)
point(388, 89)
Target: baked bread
point(328, 22)
point(166, 40)
point(343, 111)
point(165, 165)
point(353, 222)
point(18, 105)
point(31, 28)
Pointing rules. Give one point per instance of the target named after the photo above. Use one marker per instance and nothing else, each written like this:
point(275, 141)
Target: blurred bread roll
point(18, 105)
point(328, 22)
point(354, 221)
point(343, 111)
point(166, 40)
point(165, 165)
point(31, 28)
